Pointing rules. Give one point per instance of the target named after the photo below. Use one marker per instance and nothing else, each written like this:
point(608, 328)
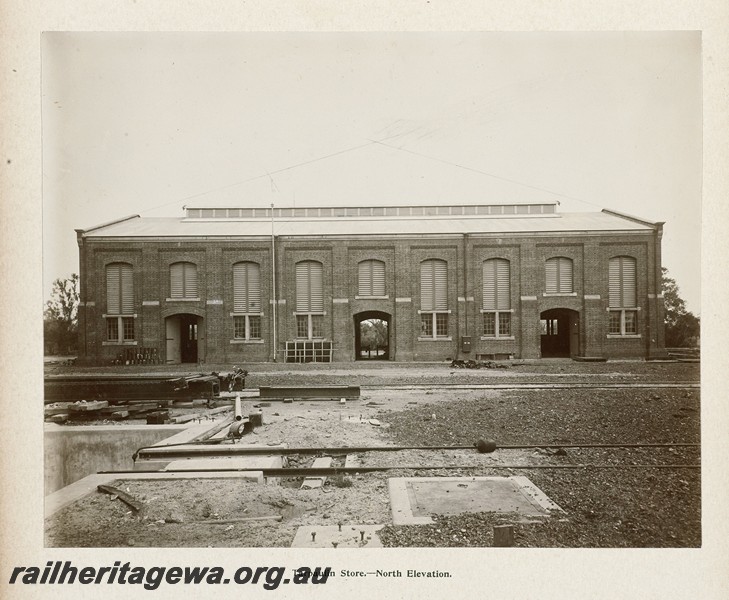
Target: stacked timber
point(95, 410)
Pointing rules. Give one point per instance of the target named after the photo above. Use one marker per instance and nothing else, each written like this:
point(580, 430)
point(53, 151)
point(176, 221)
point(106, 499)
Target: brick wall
point(402, 256)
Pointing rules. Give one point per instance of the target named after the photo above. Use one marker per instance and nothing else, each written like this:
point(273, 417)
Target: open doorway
point(372, 336)
point(182, 332)
point(560, 333)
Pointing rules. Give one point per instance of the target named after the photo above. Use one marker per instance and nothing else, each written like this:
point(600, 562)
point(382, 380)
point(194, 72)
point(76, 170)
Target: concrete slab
point(414, 499)
point(326, 536)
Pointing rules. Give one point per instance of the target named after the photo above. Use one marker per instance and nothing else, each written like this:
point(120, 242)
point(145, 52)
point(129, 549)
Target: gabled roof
point(578, 222)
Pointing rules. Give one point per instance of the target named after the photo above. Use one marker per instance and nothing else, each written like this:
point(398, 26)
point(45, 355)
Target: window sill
point(132, 316)
point(560, 295)
point(182, 299)
point(250, 314)
point(246, 341)
point(484, 311)
point(372, 297)
point(627, 336)
point(436, 339)
point(113, 343)
point(508, 338)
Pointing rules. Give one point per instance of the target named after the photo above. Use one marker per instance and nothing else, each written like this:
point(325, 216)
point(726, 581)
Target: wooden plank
point(317, 482)
point(57, 408)
point(241, 520)
point(503, 536)
point(88, 406)
point(351, 461)
point(49, 412)
point(225, 424)
point(185, 418)
point(131, 502)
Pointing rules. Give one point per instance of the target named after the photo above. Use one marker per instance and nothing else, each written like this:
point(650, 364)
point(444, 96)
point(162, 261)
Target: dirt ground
point(617, 497)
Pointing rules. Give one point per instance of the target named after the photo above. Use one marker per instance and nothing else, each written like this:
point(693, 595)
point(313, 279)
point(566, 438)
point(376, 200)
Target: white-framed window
point(371, 281)
point(434, 299)
point(623, 297)
point(247, 327)
point(559, 279)
point(183, 281)
point(247, 307)
point(119, 303)
point(496, 303)
point(309, 299)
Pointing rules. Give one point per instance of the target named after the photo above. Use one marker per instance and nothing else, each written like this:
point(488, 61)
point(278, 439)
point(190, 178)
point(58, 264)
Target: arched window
point(119, 302)
point(183, 281)
point(309, 299)
point(558, 271)
point(434, 299)
point(247, 309)
point(623, 297)
point(371, 278)
point(496, 298)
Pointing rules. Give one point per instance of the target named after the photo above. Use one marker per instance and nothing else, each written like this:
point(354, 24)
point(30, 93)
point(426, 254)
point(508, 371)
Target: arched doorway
point(560, 333)
point(372, 335)
point(182, 334)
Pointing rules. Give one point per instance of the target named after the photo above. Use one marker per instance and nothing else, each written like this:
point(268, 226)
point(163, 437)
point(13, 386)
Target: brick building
point(239, 285)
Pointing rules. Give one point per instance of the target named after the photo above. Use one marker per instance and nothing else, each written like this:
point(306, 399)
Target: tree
point(60, 317)
point(373, 334)
point(683, 328)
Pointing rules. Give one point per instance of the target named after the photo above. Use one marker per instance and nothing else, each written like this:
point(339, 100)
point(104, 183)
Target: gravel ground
point(377, 373)
point(643, 505)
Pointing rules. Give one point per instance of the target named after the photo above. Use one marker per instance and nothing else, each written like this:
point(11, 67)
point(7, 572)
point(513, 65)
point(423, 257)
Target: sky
point(146, 123)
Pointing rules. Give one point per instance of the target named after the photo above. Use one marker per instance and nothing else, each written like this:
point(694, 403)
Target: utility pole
point(273, 285)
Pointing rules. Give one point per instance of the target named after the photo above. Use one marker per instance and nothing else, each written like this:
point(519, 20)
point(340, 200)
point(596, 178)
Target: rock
point(485, 446)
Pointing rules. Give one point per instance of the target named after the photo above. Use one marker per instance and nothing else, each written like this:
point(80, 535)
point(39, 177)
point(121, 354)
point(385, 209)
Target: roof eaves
point(615, 213)
point(107, 224)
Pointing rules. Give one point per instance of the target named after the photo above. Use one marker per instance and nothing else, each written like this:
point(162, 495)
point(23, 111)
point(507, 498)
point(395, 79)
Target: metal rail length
point(326, 471)
point(227, 450)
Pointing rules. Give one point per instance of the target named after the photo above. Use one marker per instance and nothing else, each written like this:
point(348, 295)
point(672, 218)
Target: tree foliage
point(373, 334)
point(683, 328)
point(60, 317)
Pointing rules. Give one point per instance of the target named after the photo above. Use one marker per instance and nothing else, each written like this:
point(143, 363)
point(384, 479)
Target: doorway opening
point(372, 335)
point(182, 333)
point(560, 333)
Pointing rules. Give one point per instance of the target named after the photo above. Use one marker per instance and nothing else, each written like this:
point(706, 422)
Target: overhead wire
point(474, 170)
point(370, 142)
point(267, 174)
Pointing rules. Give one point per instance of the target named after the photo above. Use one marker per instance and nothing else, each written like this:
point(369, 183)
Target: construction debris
point(135, 505)
point(477, 364)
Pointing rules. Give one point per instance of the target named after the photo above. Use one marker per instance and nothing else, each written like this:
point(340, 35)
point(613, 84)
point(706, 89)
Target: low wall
point(73, 452)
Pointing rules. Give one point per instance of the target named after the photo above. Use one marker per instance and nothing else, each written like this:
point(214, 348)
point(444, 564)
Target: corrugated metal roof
point(178, 227)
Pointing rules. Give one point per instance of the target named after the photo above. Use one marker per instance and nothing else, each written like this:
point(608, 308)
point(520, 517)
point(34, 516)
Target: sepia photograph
point(398, 300)
point(371, 290)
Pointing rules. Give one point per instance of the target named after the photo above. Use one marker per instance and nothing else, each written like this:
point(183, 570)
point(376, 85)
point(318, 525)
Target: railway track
point(304, 472)
point(176, 451)
point(252, 392)
point(539, 386)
